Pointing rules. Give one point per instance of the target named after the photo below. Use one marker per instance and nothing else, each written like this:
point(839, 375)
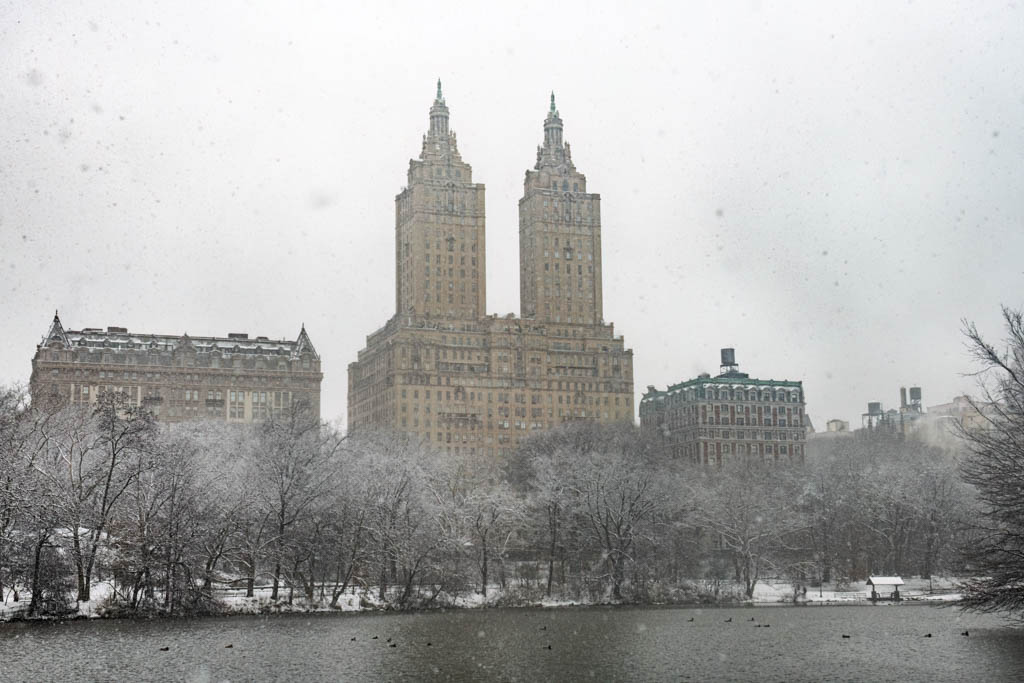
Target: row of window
point(752, 434)
point(475, 430)
point(706, 449)
point(735, 394)
point(451, 284)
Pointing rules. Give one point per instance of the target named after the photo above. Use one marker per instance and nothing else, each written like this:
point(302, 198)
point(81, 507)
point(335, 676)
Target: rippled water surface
point(886, 643)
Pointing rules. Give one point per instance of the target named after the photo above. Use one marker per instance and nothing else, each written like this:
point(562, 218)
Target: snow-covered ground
point(765, 592)
point(914, 589)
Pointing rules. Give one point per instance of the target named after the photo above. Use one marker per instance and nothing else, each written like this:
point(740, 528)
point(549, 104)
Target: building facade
point(229, 379)
point(559, 237)
point(466, 382)
point(712, 419)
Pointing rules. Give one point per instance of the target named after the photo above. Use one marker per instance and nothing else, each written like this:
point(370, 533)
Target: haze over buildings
point(828, 188)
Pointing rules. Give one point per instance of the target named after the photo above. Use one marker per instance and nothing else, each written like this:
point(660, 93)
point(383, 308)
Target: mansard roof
point(119, 339)
point(725, 379)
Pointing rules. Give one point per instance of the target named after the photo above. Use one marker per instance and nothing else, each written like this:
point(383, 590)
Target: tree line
point(172, 514)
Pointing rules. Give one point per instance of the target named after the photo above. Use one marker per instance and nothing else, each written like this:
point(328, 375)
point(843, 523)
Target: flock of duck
point(391, 643)
point(844, 635)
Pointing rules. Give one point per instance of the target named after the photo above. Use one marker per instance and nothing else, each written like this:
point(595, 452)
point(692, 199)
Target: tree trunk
point(80, 569)
point(250, 582)
point(483, 565)
point(208, 573)
point(617, 577)
point(553, 526)
point(33, 605)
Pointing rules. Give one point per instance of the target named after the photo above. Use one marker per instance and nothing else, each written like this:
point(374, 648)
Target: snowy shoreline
point(231, 603)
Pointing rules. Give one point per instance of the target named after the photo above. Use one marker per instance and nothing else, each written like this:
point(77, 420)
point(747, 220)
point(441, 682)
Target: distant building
point(962, 412)
point(837, 426)
point(894, 421)
point(834, 429)
point(710, 419)
point(232, 378)
point(465, 382)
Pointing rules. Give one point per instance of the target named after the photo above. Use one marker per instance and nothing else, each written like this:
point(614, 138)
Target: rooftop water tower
point(915, 399)
point(728, 362)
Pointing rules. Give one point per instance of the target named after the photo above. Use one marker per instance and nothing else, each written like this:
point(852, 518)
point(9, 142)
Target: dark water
point(886, 643)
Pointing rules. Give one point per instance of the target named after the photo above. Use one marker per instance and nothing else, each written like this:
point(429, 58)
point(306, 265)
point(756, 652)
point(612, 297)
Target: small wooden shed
point(880, 587)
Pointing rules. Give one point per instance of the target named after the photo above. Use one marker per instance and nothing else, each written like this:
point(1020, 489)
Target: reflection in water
point(886, 643)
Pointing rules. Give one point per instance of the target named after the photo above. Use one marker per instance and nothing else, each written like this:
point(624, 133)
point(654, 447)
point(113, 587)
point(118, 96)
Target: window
point(236, 406)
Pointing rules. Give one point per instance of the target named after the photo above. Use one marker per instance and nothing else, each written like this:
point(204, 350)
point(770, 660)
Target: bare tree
point(16, 486)
point(479, 513)
point(753, 512)
point(296, 463)
point(402, 525)
point(995, 467)
point(92, 457)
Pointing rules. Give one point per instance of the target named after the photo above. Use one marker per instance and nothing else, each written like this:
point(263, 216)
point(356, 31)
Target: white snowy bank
point(235, 601)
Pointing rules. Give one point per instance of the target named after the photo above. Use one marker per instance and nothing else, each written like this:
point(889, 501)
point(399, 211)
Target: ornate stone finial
point(440, 98)
point(552, 101)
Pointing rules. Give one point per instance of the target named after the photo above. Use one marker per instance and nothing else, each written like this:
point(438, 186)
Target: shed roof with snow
point(885, 581)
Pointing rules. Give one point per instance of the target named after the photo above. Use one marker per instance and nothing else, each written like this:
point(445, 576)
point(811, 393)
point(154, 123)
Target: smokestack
point(903, 398)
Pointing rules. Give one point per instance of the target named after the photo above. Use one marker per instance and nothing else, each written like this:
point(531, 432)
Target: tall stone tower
point(467, 383)
point(439, 230)
point(559, 237)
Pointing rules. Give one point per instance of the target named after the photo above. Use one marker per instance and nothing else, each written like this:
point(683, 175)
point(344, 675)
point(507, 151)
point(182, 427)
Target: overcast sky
point(827, 187)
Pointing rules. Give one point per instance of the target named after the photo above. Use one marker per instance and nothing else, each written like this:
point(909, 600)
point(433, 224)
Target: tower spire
point(553, 133)
point(439, 114)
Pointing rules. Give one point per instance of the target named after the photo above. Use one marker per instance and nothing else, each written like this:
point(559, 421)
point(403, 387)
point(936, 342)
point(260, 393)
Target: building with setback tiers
point(460, 380)
point(232, 378)
point(711, 419)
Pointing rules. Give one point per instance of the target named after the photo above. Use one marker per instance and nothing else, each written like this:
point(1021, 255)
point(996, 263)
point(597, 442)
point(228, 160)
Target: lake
point(886, 643)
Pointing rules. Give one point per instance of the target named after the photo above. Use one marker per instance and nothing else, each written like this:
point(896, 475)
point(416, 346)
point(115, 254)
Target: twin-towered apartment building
point(465, 382)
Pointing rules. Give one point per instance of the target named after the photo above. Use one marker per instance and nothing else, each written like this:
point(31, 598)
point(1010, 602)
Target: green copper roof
point(723, 380)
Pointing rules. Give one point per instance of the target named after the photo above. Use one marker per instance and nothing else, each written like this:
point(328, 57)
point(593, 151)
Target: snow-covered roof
point(885, 581)
point(116, 339)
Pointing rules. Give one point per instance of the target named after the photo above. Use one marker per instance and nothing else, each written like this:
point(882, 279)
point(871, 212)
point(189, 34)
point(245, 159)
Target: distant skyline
point(827, 189)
